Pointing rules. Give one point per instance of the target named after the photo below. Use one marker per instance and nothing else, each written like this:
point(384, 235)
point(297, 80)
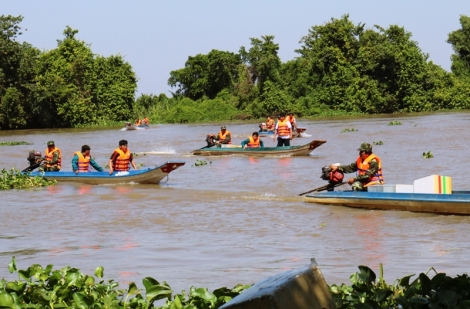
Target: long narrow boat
point(298, 133)
point(457, 203)
point(130, 126)
point(142, 176)
point(303, 150)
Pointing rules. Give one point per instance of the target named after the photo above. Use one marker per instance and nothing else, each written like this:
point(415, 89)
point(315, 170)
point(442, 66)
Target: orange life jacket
point(282, 128)
point(83, 162)
point(223, 136)
point(270, 124)
point(363, 167)
point(138, 122)
point(50, 156)
point(291, 120)
point(252, 143)
point(122, 162)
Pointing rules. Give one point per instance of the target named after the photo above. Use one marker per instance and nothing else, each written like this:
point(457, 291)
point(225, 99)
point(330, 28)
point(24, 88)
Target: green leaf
point(204, 294)
point(157, 292)
point(382, 294)
point(12, 265)
point(99, 271)
point(405, 281)
point(425, 284)
point(133, 290)
point(6, 300)
point(149, 282)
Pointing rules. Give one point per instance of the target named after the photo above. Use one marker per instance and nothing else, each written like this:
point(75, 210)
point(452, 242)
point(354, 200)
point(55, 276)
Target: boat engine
point(330, 176)
point(210, 139)
point(34, 157)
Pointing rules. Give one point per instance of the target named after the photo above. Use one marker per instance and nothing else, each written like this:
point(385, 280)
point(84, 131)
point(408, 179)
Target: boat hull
point(141, 176)
point(303, 150)
point(457, 203)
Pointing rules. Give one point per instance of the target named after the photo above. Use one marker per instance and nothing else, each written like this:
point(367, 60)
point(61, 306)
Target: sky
point(157, 36)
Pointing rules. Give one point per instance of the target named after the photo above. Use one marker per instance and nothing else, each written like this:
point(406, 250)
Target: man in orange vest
point(121, 158)
point(283, 131)
point(82, 161)
point(223, 137)
point(53, 159)
point(368, 167)
point(253, 141)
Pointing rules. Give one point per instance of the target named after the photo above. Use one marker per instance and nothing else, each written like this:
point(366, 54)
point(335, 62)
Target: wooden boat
point(130, 126)
point(457, 203)
point(142, 176)
point(302, 150)
point(298, 133)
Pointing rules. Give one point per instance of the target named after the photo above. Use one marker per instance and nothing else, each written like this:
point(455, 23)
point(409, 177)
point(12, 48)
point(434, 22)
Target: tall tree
point(262, 61)
point(460, 41)
point(206, 75)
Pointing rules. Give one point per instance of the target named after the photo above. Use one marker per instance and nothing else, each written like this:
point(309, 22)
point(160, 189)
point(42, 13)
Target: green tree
point(262, 61)
point(460, 41)
point(205, 75)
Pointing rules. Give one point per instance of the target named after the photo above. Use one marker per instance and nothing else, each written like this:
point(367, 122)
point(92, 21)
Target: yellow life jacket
point(223, 136)
point(122, 162)
point(83, 162)
point(50, 156)
point(282, 128)
point(363, 168)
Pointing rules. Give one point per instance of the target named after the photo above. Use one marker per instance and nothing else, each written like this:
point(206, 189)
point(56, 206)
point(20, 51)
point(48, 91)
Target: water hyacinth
point(14, 179)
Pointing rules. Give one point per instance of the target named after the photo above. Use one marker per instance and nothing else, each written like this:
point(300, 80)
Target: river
point(236, 219)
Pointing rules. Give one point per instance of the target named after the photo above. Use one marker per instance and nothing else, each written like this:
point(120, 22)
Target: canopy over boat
point(303, 150)
point(142, 176)
point(457, 203)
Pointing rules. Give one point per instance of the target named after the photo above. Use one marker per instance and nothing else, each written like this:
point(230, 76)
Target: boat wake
point(156, 152)
point(303, 134)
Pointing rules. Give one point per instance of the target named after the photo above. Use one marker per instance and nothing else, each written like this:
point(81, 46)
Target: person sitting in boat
point(262, 127)
point(223, 137)
point(121, 158)
point(253, 141)
point(292, 121)
point(145, 121)
point(53, 158)
point(138, 122)
point(368, 167)
point(82, 161)
point(270, 124)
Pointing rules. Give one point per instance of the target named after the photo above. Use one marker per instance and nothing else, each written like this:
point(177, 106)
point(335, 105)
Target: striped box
point(436, 184)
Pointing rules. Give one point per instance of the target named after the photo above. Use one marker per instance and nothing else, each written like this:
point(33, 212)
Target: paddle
point(323, 188)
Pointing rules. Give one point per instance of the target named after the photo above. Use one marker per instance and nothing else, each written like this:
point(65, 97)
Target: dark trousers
point(283, 142)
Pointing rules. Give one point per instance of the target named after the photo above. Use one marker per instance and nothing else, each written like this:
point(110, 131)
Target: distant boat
point(303, 150)
point(130, 126)
point(142, 176)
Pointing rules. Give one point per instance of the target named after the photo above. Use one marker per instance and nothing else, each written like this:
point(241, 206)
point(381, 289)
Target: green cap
point(365, 147)
point(50, 143)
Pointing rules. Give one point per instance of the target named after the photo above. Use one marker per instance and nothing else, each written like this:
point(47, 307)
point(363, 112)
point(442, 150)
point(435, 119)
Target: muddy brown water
point(236, 219)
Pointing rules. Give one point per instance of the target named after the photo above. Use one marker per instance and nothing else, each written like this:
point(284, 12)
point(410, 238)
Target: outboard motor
point(210, 139)
point(333, 178)
point(35, 159)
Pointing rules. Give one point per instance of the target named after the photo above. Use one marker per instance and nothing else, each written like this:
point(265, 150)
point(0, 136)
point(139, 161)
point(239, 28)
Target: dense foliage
point(341, 68)
point(437, 292)
point(13, 179)
point(39, 287)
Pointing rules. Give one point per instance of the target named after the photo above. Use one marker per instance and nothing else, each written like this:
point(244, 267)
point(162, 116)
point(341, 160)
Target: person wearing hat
point(82, 161)
point(223, 137)
point(368, 167)
point(283, 131)
point(120, 159)
point(253, 141)
point(53, 158)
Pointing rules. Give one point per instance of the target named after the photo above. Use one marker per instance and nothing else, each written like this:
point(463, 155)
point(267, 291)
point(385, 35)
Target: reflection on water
point(237, 219)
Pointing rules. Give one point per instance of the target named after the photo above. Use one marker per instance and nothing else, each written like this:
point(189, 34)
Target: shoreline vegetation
point(39, 287)
point(341, 68)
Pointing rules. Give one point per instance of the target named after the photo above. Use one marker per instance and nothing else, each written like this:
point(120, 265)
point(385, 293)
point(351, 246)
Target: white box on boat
point(404, 188)
point(436, 184)
point(381, 188)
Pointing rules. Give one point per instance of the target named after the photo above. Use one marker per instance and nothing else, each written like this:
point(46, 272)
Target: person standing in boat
point(283, 131)
point(82, 161)
point(121, 158)
point(253, 141)
point(53, 159)
point(223, 137)
point(368, 167)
